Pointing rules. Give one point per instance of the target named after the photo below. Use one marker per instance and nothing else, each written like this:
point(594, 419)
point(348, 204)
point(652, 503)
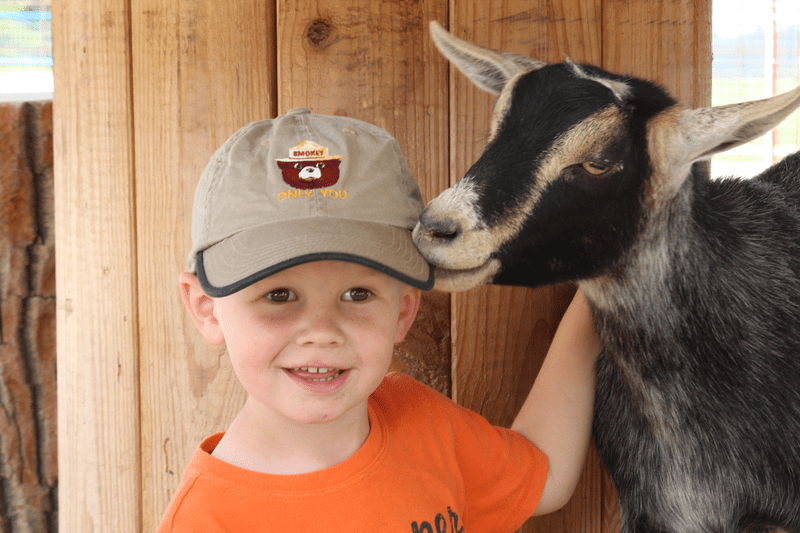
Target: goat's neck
point(633, 309)
point(636, 288)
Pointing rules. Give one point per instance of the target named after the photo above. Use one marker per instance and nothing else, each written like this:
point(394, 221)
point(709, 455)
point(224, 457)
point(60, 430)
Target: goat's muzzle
point(458, 252)
point(441, 231)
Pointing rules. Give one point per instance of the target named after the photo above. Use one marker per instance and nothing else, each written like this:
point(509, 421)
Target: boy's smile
point(316, 374)
point(312, 342)
point(319, 380)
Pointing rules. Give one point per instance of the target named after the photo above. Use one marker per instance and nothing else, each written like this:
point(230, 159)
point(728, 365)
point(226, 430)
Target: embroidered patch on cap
point(310, 167)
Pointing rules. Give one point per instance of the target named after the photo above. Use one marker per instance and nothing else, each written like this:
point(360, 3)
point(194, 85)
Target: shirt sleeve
point(503, 474)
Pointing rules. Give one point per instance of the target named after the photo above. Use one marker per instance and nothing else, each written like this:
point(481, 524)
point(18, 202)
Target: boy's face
point(312, 342)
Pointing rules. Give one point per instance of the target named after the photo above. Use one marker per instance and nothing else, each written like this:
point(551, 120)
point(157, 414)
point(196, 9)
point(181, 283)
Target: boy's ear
point(201, 307)
point(408, 312)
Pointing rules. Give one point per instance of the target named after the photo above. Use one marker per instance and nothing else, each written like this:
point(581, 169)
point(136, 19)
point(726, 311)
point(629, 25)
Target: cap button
point(299, 111)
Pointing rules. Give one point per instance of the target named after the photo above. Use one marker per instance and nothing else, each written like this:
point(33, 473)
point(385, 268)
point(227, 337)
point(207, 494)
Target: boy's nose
point(322, 328)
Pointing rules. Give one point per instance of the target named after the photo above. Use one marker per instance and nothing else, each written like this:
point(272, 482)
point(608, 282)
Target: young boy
point(303, 265)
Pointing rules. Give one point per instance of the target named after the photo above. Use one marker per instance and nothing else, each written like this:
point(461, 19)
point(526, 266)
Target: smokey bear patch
point(310, 167)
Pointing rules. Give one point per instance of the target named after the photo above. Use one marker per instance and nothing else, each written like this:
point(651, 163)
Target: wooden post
point(96, 274)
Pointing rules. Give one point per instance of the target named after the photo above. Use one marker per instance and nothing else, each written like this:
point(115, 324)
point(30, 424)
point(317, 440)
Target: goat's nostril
point(439, 228)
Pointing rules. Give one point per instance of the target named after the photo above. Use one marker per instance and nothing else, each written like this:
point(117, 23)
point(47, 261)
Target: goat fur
point(694, 284)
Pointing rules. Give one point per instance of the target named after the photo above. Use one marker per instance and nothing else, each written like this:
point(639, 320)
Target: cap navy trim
point(218, 292)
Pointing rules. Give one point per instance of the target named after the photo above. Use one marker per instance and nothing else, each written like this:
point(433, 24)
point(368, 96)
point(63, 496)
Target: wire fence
point(26, 50)
point(25, 34)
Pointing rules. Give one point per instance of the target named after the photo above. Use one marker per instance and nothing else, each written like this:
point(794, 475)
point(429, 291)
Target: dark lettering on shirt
point(441, 524)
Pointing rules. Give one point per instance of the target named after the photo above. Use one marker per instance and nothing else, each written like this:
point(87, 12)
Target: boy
point(303, 265)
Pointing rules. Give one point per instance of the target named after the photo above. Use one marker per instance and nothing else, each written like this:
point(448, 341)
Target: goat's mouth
point(455, 280)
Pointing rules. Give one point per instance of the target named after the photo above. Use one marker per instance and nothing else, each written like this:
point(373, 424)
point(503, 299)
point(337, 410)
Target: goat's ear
point(488, 69)
point(705, 132)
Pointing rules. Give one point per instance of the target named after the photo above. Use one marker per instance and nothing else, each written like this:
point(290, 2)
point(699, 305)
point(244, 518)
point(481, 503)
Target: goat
point(693, 286)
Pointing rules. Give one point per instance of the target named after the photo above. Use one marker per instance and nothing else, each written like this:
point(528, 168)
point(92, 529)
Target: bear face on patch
point(310, 167)
point(312, 174)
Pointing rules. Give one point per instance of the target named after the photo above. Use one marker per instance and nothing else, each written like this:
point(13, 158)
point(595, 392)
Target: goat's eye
point(595, 169)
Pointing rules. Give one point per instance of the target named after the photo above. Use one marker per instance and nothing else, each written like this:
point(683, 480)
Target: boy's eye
point(281, 295)
point(356, 295)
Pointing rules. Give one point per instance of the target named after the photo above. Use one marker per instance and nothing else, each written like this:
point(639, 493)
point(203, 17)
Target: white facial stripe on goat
point(502, 105)
point(458, 202)
point(621, 90)
point(582, 142)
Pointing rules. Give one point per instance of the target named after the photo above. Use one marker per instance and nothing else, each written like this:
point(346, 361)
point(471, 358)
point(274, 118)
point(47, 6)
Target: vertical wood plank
point(375, 62)
point(97, 323)
point(668, 41)
point(200, 72)
point(501, 334)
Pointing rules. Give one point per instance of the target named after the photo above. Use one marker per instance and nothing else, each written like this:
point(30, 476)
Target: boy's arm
point(557, 415)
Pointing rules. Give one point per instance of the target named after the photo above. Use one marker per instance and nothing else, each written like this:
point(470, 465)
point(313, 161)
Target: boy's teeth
point(321, 370)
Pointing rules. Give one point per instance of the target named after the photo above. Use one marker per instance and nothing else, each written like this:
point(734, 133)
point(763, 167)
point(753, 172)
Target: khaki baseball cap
point(305, 187)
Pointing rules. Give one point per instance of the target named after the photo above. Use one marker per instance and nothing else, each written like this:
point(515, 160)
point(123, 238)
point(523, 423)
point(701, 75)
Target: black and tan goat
point(693, 283)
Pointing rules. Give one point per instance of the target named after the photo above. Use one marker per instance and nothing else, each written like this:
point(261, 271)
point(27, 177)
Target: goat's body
point(694, 284)
point(690, 344)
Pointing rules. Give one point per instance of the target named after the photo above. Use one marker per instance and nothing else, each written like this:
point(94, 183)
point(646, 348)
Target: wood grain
point(200, 74)
point(372, 61)
point(668, 41)
point(96, 276)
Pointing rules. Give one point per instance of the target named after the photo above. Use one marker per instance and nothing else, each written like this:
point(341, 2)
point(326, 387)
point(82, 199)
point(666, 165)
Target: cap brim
point(261, 251)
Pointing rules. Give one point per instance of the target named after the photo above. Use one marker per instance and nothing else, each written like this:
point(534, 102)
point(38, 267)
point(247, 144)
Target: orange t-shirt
point(427, 465)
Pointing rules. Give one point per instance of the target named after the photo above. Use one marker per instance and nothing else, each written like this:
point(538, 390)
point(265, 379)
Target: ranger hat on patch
point(305, 187)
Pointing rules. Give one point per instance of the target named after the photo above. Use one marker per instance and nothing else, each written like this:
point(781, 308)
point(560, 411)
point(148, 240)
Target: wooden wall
point(146, 90)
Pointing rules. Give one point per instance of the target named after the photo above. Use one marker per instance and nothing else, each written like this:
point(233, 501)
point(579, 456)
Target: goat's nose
point(439, 228)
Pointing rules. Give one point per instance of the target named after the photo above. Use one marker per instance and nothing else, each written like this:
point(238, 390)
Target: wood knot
point(318, 32)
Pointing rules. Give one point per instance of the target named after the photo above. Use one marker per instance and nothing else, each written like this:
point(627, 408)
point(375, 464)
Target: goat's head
point(576, 158)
